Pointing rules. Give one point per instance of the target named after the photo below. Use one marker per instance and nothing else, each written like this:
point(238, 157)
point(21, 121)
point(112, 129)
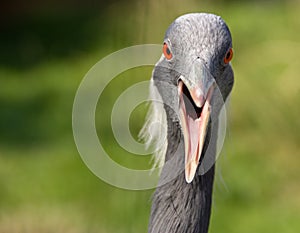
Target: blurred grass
point(44, 185)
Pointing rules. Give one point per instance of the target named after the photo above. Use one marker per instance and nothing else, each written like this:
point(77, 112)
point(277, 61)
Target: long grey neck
point(177, 206)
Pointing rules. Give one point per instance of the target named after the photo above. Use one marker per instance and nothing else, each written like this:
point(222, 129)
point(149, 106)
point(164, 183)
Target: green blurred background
point(47, 47)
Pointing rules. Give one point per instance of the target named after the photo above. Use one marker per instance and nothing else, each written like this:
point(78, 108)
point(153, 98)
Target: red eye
point(228, 56)
point(167, 51)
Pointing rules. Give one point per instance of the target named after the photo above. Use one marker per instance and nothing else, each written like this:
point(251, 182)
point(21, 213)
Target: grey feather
point(177, 206)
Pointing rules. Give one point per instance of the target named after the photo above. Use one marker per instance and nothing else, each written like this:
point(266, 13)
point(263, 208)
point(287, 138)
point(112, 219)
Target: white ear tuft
point(154, 131)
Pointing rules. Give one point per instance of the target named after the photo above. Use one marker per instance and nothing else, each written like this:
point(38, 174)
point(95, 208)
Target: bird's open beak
point(195, 110)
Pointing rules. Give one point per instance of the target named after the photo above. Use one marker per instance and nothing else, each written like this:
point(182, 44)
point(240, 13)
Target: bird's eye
point(167, 51)
point(228, 56)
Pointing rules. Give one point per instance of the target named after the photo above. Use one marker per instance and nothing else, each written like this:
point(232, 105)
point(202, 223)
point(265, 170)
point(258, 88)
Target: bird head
point(194, 66)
